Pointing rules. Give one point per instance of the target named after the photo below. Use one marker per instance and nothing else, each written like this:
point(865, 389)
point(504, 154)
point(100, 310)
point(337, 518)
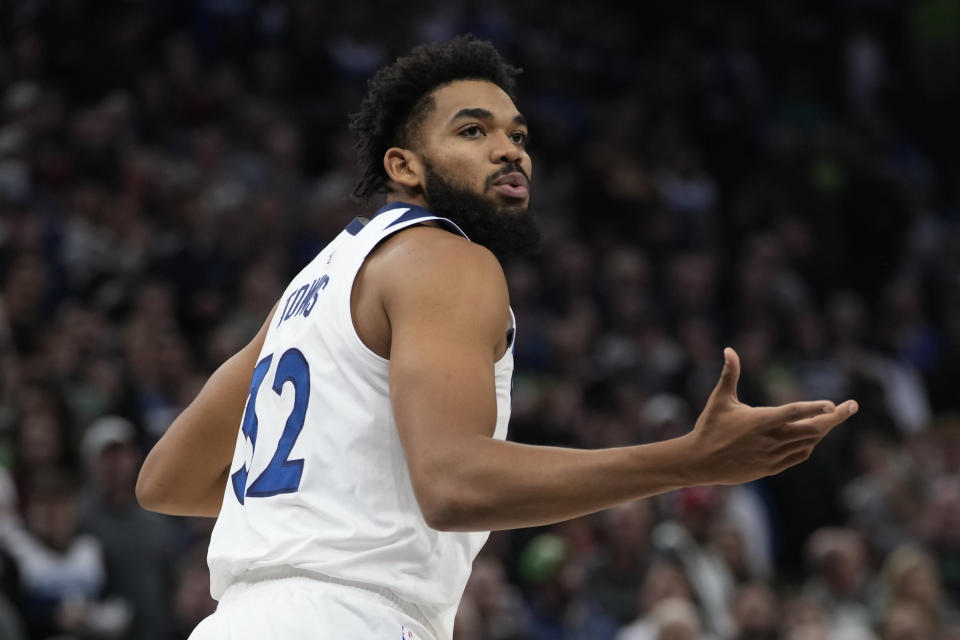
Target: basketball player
point(356, 475)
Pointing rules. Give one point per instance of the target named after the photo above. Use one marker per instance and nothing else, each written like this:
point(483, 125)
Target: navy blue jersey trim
point(400, 205)
point(355, 227)
point(416, 213)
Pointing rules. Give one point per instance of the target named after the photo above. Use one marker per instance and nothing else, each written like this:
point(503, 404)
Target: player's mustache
point(510, 168)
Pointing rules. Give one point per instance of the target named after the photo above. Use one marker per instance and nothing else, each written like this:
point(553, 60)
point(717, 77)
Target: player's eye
point(520, 137)
point(473, 131)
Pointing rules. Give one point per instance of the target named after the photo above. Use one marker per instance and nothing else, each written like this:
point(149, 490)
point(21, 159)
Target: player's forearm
point(502, 485)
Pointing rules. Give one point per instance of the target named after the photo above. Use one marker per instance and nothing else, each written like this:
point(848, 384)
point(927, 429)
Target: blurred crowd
point(781, 177)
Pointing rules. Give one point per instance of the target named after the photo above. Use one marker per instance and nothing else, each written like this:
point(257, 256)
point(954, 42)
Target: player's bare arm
point(186, 472)
point(447, 309)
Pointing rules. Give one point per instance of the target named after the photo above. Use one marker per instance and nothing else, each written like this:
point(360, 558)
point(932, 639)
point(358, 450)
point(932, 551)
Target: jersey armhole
point(368, 356)
point(372, 359)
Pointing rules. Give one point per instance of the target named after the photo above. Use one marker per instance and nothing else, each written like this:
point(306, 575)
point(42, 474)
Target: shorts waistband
point(386, 596)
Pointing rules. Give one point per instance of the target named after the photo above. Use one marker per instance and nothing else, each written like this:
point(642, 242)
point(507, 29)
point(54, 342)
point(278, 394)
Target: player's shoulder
point(428, 249)
point(431, 262)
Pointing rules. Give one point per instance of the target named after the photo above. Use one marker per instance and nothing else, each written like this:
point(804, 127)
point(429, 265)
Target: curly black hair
point(401, 94)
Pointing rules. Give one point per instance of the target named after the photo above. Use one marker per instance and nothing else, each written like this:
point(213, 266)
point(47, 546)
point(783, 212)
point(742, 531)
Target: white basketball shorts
point(302, 608)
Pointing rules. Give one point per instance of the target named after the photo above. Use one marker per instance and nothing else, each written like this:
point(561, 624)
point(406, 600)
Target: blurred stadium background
point(779, 176)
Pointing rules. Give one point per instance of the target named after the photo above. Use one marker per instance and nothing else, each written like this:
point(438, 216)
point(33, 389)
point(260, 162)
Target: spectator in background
point(623, 554)
point(910, 575)
point(908, 620)
point(728, 541)
point(939, 527)
point(44, 442)
point(62, 571)
point(191, 593)
point(27, 293)
point(664, 581)
point(689, 539)
point(138, 546)
point(840, 581)
point(157, 355)
point(466, 624)
point(884, 500)
point(85, 368)
point(677, 619)
point(755, 613)
point(494, 607)
point(804, 619)
point(556, 608)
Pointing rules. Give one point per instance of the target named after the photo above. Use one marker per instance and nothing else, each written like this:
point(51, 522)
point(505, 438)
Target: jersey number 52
point(281, 475)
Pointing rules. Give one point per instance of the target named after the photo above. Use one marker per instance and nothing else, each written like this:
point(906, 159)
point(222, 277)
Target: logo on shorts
point(405, 634)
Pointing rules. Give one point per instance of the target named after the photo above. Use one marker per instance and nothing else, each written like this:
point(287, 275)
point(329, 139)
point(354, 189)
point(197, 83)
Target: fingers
point(795, 411)
point(827, 421)
point(796, 440)
point(811, 429)
point(840, 414)
point(848, 408)
point(730, 375)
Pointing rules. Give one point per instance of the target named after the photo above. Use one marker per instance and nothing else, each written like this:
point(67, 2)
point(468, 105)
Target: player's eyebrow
point(482, 114)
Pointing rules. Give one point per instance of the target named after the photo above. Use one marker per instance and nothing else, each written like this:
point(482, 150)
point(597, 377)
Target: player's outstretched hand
point(736, 443)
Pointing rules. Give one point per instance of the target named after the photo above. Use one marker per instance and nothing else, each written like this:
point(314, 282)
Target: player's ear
point(403, 167)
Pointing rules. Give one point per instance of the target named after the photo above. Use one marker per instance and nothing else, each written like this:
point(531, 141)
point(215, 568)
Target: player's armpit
point(185, 472)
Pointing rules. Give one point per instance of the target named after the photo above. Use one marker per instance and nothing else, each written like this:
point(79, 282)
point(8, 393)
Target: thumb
point(730, 376)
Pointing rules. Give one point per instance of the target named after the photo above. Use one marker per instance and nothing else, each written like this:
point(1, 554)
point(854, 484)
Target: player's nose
point(506, 150)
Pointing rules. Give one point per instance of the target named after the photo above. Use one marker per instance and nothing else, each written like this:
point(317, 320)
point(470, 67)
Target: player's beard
point(503, 231)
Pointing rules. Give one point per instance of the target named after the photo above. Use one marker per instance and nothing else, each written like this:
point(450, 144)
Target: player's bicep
point(441, 389)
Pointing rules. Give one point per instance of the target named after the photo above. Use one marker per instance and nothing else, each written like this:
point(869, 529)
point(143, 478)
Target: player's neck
point(408, 197)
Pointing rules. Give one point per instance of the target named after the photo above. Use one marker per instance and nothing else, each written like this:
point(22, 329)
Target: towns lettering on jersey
point(302, 301)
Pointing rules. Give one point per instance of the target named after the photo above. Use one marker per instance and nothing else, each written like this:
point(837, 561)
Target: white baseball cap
point(104, 432)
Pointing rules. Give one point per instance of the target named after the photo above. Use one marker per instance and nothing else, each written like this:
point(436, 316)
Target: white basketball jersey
point(319, 481)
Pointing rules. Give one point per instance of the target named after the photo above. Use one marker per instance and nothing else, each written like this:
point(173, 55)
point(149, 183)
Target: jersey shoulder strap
point(391, 218)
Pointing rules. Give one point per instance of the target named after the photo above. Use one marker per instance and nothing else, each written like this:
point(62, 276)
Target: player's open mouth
point(512, 185)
